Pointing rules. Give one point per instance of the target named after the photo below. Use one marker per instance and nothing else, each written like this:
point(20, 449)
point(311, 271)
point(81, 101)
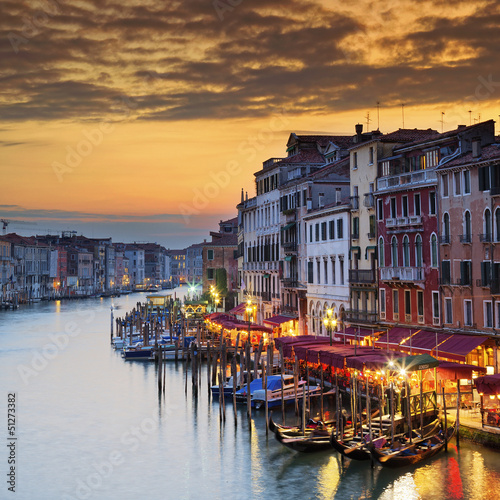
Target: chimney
point(321, 200)
point(242, 196)
point(359, 131)
point(476, 147)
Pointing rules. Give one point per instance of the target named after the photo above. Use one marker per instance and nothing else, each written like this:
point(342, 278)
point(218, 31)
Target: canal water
point(92, 426)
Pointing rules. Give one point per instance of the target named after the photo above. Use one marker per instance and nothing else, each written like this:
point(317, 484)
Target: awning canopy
point(423, 342)
point(413, 363)
point(393, 337)
point(448, 370)
point(488, 385)
point(288, 226)
point(356, 249)
point(239, 309)
point(376, 361)
point(278, 320)
point(458, 346)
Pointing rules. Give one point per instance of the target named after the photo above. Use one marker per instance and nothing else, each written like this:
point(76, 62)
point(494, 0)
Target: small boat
point(272, 381)
point(305, 444)
point(275, 393)
point(228, 384)
point(412, 453)
point(312, 427)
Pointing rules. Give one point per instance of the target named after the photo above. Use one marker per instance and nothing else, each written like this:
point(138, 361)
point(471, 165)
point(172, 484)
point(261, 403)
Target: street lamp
point(249, 310)
point(330, 323)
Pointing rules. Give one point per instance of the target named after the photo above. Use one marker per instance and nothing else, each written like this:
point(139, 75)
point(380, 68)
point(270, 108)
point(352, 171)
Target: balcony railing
point(371, 236)
point(483, 283)
point(465, 238)
point(266, 296)
point(485, 238)
point(402, 273)
point(413, 220)
point(290, 282)
point(444, 239)
point(363, 316)
point(361, 276)
point(354, 202)
point(369, 200)
point(290, 246)
point(420, 177)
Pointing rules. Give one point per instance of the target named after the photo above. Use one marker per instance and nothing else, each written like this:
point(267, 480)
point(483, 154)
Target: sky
point(144, 120)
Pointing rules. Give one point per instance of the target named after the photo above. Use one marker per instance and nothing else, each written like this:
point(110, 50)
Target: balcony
point(483, 283)
point(465, 238)
point(444, 239)
point(402, 273)
point(289, 247)
point(290, 214)
point(361, 276)
point(354, 202)
point(414, 220)
point(362, 316)
point(445, 280)
point(421, 177)
point(290, 282)
point(485, 238)
point(266, 296)
point(355, 236)
point(371, 236)
point(369, 201)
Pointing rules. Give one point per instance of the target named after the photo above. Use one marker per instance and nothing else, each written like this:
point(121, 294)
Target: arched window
point(446, 227)
point(394, 251)
point(434, 251)
point(418, 251)
point(381, 255)
point(487, 224)
point(467, 227)
point(406, 251)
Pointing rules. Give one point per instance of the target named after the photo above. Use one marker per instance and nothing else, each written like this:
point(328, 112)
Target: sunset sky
point(142, 120)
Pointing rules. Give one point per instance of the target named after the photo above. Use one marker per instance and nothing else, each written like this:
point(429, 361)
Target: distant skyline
point(143, 120)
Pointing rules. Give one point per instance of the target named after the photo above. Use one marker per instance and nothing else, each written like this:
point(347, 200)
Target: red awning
point(423, 342)
point(458, 346)
point(239, 309)
point(488, 385)
point(455, 371)
point(309, 341)
point(376, 361)
point(278, 320)
point(353, 333)
point(393, 337)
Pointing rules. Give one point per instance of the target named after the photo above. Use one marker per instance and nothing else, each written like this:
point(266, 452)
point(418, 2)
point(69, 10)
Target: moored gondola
point(305, 444)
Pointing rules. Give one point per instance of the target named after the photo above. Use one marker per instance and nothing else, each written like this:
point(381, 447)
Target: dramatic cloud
point(194, 59)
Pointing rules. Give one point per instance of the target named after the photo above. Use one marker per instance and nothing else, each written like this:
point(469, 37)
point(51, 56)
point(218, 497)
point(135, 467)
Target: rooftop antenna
point(403, 113)
point(378, 115)
point(368, 121)
point(442, 121)
point(470, 117)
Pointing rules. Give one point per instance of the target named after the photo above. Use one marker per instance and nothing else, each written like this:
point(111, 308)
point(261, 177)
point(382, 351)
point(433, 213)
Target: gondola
point(418, 451)
point(316, 427)
point(356, 447)
point(305, 444)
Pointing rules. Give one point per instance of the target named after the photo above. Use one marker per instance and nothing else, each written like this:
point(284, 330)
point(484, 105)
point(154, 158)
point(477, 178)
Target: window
point(416, 203)
point(445, 272)
point(487, 225)
point(326, 272)
point(488, 314)
point(434, 251)
point(406, 251)
point(340, 228)
point(432, 203)
point(497, 224)
point(395, 304)
point(394, 252)
point(404, 203)
point(431, 158)
point(466, 272)
point(355, 227)
point(446, 227)
point(310, 233)
point(318, 270)
point(394, 213)
point(382, 302)
point(448, 316)
point(435, 308)
point(210, 273)
point(380, 209)
point(210, 254)
point(444, 180)
point(334, 278)
point(420, 306)
point(310, 275)
point(341, 269)
point(418, 251)
point(467, 236)
point(370, 155)
point(497, 316)
point(331, 227)
point(468, 312)
point(372, 227)
point(381, 256)
point(355, 161)
point(408, 305)
point(458, 187)
point(484, 178)
point(485, 273)
point(317, 231)
point(466, 181)
point(323, 231)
